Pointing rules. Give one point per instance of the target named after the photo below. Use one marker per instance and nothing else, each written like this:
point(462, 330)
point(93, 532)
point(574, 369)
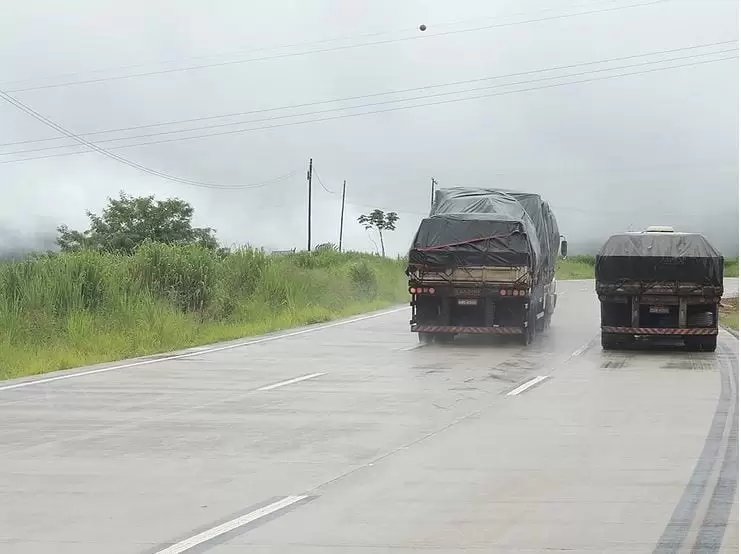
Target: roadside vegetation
point(143, 280)
point(575, 267)
point(80, 308)
point(729, 312)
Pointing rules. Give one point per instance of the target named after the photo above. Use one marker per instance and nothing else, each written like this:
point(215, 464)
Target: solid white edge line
point(235, 523)
point(291, 381)
point(532, 382)
point(198, 352)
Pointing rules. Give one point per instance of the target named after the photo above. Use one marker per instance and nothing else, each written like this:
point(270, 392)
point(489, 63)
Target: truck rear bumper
point(466, 330)
point(666, 331)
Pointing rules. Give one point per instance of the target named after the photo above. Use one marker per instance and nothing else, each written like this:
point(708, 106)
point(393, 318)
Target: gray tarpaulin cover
point(545, 225)
point(655, 257)
point(470, 226)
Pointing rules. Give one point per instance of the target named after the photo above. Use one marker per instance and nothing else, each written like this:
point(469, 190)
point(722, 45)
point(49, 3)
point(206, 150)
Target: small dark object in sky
point(423, 27)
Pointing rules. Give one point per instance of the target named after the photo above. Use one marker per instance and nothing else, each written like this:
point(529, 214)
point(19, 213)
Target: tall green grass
point(731, 267)
point(729, 312)
point(575, 267)
point(75, 309)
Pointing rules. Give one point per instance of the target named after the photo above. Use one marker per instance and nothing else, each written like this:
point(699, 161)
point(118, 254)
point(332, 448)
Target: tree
point(127, 221)
point(381, 222)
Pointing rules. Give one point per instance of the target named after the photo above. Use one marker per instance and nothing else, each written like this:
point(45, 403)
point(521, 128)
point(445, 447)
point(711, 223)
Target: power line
point(46, 121)
point(360, 205)
point(373, 104)
point(334, 49)
point(556, 208)
point(386, 93)
point(318, 178)
point(374, 206)
point(292, 45)
point(386, 110)
point(574, 176)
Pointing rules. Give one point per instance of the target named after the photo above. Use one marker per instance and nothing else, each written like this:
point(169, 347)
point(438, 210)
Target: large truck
point(659, 283)
point(484, 262)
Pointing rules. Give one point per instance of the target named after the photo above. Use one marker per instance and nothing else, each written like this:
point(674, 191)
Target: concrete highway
point(352, 438)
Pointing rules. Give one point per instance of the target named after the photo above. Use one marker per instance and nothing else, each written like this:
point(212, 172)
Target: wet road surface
point(352, 438)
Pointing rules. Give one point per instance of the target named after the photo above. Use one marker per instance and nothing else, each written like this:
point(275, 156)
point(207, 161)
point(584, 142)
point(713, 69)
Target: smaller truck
point(659, 283)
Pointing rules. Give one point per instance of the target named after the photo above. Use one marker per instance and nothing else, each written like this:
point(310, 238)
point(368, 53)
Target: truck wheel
point(709, 344)
point(610, 342)
point(701, 344)
point(444, 337)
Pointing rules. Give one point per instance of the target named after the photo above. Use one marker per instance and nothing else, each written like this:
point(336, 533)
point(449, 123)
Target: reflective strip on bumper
point(471, 330)
point(660, 330)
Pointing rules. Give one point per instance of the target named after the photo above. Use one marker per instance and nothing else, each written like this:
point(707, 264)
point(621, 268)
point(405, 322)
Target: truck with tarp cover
point(484, 262)
point(659, 283)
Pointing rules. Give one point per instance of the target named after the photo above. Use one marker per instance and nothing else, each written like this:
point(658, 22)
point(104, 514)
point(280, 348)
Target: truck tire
point(444, 337)
point(701, 344)
point(610, 341)
point(709, 344)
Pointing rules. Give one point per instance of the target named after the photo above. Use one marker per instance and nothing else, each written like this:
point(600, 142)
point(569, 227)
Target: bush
point(363, 277)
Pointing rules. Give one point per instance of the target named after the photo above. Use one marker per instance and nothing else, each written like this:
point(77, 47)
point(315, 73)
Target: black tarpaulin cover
point(458, 241)
point(658, 257)
point(470, 228)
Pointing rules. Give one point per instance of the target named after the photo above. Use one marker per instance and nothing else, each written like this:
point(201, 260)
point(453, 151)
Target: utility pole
point(308, 177)
point(432, 193)
point(342, 213)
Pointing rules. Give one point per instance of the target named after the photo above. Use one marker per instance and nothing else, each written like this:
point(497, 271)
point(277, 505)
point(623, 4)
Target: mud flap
point(550, 299)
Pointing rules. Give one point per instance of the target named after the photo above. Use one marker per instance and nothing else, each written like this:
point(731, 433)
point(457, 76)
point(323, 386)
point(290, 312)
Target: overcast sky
point(658, 147)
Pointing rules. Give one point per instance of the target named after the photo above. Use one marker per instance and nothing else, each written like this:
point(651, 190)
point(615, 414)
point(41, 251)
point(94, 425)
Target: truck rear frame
point(635, 310)
point(477, 300)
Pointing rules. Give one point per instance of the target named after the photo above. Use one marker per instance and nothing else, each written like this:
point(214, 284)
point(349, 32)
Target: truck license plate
point(467, 301)
point(658, 309)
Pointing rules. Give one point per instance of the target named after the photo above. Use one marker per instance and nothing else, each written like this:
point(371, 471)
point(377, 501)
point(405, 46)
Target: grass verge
point(70, 310)
point(575, 267)
point(729, 312)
